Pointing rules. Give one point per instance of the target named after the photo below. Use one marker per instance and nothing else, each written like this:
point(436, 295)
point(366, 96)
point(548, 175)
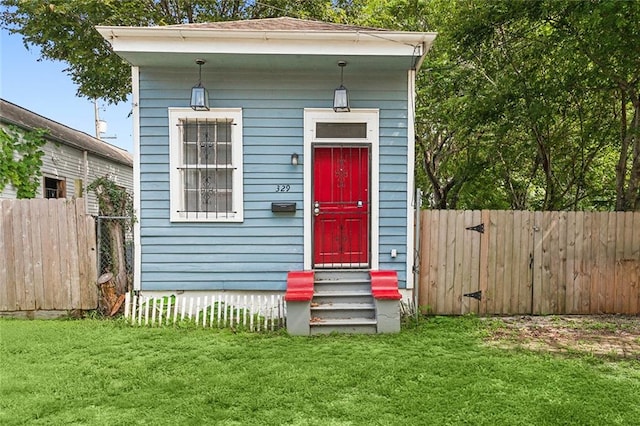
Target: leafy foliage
point(113, 199)
point(21, 159)
point(526, 105)
point(560, 79)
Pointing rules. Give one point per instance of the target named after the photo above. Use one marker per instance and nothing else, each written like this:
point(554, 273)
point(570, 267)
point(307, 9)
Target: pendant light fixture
point(341, 94)
point(199, 94)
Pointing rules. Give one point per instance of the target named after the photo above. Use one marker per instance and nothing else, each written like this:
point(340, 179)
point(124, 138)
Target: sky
point(44, 88)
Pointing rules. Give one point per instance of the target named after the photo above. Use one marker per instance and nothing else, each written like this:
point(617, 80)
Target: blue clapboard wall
point(257, 253)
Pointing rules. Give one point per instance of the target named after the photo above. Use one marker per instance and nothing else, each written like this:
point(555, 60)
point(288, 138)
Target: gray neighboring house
point(72, 159)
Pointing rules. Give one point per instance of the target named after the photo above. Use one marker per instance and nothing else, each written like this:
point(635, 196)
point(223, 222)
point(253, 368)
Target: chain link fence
point(115, 260)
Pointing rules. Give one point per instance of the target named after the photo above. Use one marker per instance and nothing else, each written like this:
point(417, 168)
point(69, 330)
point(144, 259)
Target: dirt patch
point(601, 335)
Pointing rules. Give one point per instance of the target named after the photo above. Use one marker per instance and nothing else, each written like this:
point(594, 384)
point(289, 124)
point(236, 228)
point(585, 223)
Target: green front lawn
point(441, 372)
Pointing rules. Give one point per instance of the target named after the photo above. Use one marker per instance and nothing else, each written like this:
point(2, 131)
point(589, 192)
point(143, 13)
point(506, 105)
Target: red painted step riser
point(384, 285)
point(299, 286)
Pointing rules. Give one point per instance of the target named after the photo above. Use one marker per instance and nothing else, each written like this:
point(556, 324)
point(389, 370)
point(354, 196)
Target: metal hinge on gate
point(475, 295)
point(477, 228)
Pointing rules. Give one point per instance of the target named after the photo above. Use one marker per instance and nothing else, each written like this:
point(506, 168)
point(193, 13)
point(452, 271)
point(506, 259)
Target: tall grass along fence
point(47, 255)
point(519, 262)
point(241, 311)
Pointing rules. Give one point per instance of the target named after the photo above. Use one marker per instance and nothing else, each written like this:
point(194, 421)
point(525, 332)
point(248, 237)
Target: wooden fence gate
point(518, 262)
point(47, 256)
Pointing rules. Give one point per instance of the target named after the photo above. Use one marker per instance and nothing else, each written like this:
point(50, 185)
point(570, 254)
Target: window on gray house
point(54, 188)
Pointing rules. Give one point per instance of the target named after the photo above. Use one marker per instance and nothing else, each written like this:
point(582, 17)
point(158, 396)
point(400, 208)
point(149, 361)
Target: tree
point(570, 71)
point(608, 35)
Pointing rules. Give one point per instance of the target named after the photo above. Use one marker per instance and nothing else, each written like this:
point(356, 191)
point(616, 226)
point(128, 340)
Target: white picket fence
point(245, 311)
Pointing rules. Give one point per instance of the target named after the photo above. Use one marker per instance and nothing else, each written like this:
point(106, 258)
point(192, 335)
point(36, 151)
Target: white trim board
point(137, 247)
point(175, 154)
point(411, 159)
point(372, 118)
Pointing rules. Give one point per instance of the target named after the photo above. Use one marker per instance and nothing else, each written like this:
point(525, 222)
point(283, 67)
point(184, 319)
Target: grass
point(440, 372)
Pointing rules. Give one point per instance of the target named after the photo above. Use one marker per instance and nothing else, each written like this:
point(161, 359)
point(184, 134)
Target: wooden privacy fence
point(519, 262)
point(47, 255)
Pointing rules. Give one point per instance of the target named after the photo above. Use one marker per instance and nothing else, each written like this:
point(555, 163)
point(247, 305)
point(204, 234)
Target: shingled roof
point(275, 24)
point(15, 115)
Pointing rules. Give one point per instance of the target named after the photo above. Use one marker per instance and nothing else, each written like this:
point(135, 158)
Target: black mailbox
point(283, 207)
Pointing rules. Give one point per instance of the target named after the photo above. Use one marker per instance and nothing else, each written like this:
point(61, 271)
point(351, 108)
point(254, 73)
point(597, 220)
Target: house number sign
point(283, 188)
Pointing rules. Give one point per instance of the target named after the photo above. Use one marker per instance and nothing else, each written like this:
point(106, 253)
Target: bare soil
point(610, 336)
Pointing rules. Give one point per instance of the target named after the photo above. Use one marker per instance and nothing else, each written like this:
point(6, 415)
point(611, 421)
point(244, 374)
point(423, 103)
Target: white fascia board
point(169, 40)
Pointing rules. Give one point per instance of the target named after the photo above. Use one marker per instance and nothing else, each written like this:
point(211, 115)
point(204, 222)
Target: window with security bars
point(206, 165)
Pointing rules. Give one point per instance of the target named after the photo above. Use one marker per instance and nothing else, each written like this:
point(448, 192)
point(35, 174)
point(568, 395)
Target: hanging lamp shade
point(341, 94)
point(199, 94)
point(199, 98)
point(341, 99)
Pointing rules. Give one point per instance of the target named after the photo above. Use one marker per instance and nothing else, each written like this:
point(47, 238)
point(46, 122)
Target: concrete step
point(342, 281)
point(342, 297)
point(342, 286)
point(349, 326)
point(341, 275)
point(342, 310)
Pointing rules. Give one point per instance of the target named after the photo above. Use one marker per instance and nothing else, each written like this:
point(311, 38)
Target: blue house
point(276, 155)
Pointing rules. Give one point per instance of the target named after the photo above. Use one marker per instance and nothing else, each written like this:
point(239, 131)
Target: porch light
point(341, 94)
point(199, 94)
point(294, 159)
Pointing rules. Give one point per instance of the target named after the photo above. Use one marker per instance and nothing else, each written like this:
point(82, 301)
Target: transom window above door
point(341, 130)
point(206, 165)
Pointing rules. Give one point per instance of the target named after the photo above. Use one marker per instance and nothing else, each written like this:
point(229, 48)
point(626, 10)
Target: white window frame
point(175, 162)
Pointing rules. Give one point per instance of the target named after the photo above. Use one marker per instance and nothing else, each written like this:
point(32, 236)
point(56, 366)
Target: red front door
point(340, 207)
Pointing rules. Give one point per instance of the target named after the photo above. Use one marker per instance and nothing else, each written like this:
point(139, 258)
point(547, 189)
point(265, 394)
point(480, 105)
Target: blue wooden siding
point(258, 253)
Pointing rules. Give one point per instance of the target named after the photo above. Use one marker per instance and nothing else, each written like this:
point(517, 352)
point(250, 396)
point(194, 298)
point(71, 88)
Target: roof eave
point(167, 39)
point(142, 32)
point(108, 152)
